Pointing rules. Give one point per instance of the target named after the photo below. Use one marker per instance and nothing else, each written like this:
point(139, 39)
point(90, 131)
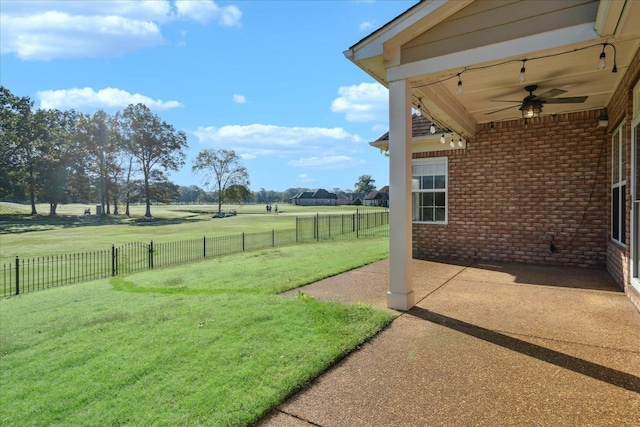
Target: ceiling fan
point(531, 105)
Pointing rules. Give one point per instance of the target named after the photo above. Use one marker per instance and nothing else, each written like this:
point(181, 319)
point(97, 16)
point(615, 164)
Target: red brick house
point(545, 175)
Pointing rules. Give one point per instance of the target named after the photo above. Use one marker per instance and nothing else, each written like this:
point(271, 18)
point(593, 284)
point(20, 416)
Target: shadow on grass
point(21, 223)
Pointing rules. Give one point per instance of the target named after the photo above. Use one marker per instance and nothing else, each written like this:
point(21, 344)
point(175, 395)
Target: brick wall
point(516, 183)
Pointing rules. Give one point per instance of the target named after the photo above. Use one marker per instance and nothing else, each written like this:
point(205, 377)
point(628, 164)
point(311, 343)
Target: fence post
point(315, 228)
point(204, 247)
point(273, 237)
point(297, 225)
point(113, 260)
point(17, 275)
point(358, 223)
point(151, 255)
point(242, 242)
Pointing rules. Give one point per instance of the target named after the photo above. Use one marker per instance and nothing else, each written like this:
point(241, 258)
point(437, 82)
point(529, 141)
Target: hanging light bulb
point(452, 143)
point(442, 140)
point(419, 109)
point(432, 129)
point(459, 90)
point(602, 63)
point(522, 71)
point(460, 144)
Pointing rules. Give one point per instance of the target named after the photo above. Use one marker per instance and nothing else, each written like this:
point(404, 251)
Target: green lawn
point(72, 232)
point(208, 343)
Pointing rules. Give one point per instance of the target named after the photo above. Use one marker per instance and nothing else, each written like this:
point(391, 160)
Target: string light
point(442, 140)
point(522, 71)
point(483, 67)
point(460, 144)
point(432, 129)
point(419, 109)
point(602, 63)
point(452, 144)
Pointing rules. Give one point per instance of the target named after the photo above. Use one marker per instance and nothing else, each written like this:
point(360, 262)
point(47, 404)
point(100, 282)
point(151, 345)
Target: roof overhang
point(436, 43)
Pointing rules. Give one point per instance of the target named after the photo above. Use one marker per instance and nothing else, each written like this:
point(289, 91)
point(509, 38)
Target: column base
point(401, 301)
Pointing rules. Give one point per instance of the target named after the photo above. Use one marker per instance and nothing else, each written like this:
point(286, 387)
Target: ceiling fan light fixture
point(531, 110)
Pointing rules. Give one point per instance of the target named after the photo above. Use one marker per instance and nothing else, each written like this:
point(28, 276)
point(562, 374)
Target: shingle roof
point(420, 126)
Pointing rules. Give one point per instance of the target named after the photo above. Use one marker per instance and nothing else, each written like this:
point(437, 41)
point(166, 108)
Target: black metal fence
point(32, 274)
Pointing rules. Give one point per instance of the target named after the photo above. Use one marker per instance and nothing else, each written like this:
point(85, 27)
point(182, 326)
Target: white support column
point(400, 295)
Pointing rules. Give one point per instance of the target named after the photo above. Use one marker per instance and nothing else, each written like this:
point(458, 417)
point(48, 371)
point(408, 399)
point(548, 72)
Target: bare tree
point(221, 169)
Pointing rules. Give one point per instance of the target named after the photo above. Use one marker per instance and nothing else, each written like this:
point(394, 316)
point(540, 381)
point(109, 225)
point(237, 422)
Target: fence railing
point(32, 274)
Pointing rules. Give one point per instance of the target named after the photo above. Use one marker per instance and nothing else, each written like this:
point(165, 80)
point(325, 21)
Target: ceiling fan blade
point(568, 100)
point(502, 109)
point(504, 100)
point(551, 93)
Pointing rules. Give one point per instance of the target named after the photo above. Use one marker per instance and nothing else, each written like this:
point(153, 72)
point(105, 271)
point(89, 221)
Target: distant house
point(319, 197)
point(378, 197)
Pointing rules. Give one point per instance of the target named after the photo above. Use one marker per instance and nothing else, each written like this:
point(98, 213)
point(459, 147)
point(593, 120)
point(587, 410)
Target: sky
point(267, 79)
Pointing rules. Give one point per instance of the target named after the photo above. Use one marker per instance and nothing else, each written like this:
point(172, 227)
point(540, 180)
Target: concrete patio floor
point(487, 344)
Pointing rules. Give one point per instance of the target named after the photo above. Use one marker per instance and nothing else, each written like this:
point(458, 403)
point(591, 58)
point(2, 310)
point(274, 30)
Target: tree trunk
point(147, 212)
point(32, 191)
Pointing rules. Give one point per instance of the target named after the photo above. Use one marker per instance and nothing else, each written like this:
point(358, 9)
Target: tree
point(60, 155)
point(155, 144)
point(238, 194)
point(365, 184)
point(221, 169)
point(101, 136)
point(18, 153)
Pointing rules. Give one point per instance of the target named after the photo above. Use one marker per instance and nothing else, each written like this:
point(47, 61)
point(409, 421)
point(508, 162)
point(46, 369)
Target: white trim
point(433, 160)
point(427, 15)
point(513, 48)
point(634, 276)
point(609, 13)
point(616, 184)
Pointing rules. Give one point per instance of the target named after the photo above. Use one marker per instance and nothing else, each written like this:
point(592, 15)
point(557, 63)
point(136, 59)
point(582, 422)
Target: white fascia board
point(513, 48)
point(373, 45)
point(608, 17)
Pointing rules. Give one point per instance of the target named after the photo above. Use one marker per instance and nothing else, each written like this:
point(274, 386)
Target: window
point(618, 187)
point(429, 190)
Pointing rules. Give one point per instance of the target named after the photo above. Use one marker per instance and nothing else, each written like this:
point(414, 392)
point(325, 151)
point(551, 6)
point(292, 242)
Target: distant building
point(378, 197)
point(319, 197)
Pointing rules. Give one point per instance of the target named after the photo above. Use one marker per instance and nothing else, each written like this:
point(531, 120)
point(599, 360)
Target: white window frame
point(415, 190)
point(618, 186)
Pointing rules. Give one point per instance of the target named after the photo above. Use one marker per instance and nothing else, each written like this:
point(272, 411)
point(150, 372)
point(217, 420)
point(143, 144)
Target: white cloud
point(205, 11)
point(366, 25)
point(326, 162)
point(89, 99)
point(247, 156)
point(366, 102)
point(46, 30)
point(239, 99)
point(304, 178)
point(380, 128)
point(281, 141)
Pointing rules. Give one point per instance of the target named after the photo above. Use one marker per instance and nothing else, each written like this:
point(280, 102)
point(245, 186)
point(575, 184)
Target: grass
point(71, 232)
point(209, 343)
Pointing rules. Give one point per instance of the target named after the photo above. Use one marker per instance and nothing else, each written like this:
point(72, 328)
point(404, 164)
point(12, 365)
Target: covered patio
point(486, 344)
point(535, 111)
